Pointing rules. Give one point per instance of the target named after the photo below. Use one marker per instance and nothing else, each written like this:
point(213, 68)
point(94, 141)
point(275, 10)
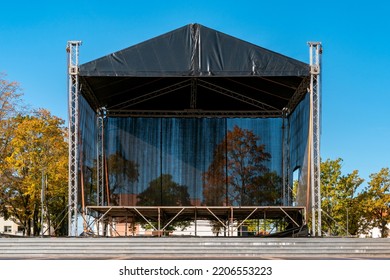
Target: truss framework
point(193, 113)
point(299, 93)
point(73, 94)
point(238, 96)
point(124, 109)
point(159, 218)
point(315, 124)
point(151, 95)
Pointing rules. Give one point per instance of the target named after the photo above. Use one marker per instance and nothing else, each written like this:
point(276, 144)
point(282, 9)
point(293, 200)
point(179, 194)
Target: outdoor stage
point(194, 117)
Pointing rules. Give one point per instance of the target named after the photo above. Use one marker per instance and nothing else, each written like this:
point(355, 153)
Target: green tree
point(375, 202)
point(38, 146)
point(341, 210)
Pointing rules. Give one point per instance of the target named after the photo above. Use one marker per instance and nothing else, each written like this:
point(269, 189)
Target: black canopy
point(194, 71)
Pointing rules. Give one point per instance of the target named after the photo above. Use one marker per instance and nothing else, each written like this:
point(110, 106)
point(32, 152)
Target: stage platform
point(229, 217)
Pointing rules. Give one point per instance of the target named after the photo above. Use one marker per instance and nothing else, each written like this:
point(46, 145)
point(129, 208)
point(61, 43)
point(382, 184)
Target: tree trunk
point(29, 227)
point(384, 231)
point(36, 226)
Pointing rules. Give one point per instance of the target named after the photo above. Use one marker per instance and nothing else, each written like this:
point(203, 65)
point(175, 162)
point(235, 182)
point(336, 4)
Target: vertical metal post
point(126, 225)
point(100, 164)
point(73, 106)
point(159, 222)
point(196, 222)
point(286, 196)
point(315, 98)
point(284, 192)
point(100, 157)
point(289, 173)
point(231, 222)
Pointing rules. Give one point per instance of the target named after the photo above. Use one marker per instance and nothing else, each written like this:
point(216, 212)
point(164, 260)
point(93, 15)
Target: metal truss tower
point(315, 130)
point(73, 95)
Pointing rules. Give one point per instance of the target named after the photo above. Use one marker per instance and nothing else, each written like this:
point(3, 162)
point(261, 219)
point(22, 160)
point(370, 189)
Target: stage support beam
point(100, 175)
point(239, 96)
point(287, 192)
point(315, 122)
point(73, 105)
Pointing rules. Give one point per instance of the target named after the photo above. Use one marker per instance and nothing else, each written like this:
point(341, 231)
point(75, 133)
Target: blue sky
point(355, 38)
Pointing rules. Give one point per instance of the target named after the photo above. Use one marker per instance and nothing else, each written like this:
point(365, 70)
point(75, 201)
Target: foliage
point(339, 199)
point(375, 203)
point(10, 100)
point(37, 147)
point(343, 207)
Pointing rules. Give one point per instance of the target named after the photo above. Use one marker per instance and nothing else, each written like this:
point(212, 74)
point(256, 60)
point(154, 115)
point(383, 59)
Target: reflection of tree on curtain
point(89, 183)
point(163, 191)
point(267, 190)
point(214, 179)
point(122, 172)
point(248, 180)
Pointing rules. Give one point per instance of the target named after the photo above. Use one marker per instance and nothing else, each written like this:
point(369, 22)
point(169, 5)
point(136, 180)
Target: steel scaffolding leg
point(100, 158)
point(102, 196)
point(287, 193)
point(73, 105)
point(315, 98)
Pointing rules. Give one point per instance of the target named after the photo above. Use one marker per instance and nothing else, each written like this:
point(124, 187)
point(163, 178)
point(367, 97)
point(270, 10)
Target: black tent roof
point(194, 71)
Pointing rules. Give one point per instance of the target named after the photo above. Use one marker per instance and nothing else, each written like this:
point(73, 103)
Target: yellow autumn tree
point(375, 203)
point(37, 158)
